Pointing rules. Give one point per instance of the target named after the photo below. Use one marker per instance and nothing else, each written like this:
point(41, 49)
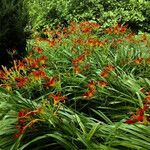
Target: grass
point(80, 88)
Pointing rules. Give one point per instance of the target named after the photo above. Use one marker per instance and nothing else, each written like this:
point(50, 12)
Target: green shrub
point(107, 13)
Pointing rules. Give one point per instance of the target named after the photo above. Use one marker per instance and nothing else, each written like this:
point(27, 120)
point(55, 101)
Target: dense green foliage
point(107, 13)
point(78, 89)
point(13, 20)
point(84, 82)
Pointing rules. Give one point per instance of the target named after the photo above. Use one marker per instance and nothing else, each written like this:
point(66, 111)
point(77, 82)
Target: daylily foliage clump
point(80, 87)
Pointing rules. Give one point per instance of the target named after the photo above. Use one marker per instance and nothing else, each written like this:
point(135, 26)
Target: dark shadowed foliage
point(13, 19)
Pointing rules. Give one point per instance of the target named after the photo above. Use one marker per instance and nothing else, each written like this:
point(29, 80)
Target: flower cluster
point(30, 70)
point(57, 98)
point(26, 120)
point(119, 29)
point(91, 88)
point(107, 70)
point(91, 42)
point(140, 115)
point(79, 60)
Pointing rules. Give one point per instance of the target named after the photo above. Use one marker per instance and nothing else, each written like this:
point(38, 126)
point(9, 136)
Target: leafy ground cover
point(80, 87)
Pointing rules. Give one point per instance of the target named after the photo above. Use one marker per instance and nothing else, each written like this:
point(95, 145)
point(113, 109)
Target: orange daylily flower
point(95, 42)
point(109, 30)
point(3, 75)
point(79, 41)
point(102, 84)
point(5, 72)
point(104, 74)
point(39, 110)
point(76, 69)
point(52, 43)
point(28, 60)
point(39, 74)
point(147, 98)
point(109, 68)
point(42, 59)
point(33, 63)
point(90, 25)
point(119, 41)
point(117, 29)
point(25, 113)
point(80, 58)
point(138, 60)
point(21, 81)
point(73, 27)
point(38, 49)
point(89, 94)
point(58, 98)
point(91, 85)
point(86, 30)
point(139, 117)
point(23, 120)
point(21, 66)
point(130, 36)
point(124, 28)
point(50, 82)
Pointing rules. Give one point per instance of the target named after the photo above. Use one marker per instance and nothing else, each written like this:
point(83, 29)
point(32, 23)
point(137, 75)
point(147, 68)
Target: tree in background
point(13, 20)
